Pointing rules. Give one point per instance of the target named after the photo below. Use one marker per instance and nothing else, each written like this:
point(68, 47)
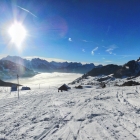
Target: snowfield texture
point(91, 113)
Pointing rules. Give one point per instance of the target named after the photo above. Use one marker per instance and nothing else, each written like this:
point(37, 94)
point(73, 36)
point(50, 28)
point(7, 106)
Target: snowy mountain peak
point(40, 65)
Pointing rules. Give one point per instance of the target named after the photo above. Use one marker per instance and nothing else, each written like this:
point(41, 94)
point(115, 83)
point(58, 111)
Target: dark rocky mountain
point(10, 69)
point(130, 83)
point(40, 65)
point(104, 70)
point(131, 68)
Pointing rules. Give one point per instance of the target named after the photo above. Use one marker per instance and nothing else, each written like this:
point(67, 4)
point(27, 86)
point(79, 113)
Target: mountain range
point(129, 69)
point(10, 66)
point(10, 69)
point(41, 65)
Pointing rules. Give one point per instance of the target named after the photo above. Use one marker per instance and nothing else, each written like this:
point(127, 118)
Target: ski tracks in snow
point(79, 114)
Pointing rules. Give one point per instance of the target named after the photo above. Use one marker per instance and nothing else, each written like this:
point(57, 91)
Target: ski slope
point(91, 113)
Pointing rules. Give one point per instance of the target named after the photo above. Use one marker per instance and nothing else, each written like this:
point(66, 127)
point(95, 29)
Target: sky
point(88, 31)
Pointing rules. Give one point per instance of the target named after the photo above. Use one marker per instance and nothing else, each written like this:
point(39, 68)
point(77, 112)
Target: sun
point(17, 33)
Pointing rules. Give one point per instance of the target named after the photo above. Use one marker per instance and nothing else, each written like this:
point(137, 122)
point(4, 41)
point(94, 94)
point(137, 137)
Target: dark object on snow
point(14, 88)
point(63, 87)
point(78, 87)
point(130, 83)
point(103, 85)
point(7, 84)
point(25, 88)
point(3, 139)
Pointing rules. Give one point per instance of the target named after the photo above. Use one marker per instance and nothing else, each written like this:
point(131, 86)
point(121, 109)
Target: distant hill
point(130, 69)
point(104, 70)
point(40, 65)
point(10, 69)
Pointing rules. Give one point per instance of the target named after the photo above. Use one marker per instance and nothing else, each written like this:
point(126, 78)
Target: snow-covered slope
point(91, 113)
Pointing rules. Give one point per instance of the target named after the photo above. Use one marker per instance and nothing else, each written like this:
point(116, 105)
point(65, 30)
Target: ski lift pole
point(18, 84)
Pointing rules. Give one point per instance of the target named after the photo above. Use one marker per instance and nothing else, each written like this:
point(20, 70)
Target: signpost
point(18, 84)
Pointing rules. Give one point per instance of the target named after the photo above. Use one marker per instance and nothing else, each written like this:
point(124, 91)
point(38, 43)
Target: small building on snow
point(25, 88)
point(63, 87)
point(14, 88)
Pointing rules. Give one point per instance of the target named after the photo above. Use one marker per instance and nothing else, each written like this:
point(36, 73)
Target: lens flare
point(17, 33)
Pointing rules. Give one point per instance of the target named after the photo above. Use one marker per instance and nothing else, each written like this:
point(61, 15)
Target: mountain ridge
point(10, 69)
point(41, 65)
point(129, 69)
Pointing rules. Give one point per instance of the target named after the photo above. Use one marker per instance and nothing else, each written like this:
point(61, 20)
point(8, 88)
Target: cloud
point(83, 50)
point(86, 41)
point(111, 48)
point(108, 61)
point(95, 49)
point(70, 39)
point(125, 56)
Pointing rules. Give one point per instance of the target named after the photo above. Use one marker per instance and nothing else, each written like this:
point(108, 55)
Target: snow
point(91, 113)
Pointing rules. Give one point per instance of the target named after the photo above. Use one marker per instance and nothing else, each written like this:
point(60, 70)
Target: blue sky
point(92, 31)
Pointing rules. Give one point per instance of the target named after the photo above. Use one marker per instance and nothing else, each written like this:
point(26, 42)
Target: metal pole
point(18, 85)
